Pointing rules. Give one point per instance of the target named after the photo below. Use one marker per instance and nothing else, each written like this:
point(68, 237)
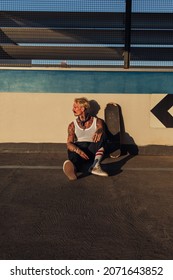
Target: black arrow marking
point(160, 111)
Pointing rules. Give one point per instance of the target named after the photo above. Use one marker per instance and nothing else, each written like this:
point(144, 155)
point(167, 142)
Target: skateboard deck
point(113, 127)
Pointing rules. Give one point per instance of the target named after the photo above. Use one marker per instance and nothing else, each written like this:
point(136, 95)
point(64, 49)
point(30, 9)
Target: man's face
point(77, 109)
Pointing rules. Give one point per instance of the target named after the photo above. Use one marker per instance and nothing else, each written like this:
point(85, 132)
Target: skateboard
point(113, 129)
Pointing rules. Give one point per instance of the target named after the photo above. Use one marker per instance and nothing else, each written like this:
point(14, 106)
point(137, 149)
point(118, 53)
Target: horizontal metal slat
point(15, 62)
point(84, 19)
point(61, 19)
point(160, 37)
point(61, 53)
point(84, 53)
point(152, 54)
point(152, 20)
point(61, 36)
point(84, 36)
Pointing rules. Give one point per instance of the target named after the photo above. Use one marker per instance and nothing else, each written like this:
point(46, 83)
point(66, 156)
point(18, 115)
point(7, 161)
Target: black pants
point(90, 148)
point(109, 143)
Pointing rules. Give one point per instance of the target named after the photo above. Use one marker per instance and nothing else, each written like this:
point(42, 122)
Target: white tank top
point(85, 135)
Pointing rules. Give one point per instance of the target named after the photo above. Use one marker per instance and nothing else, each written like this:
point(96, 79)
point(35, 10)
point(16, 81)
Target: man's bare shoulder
point(100, 122)
point(71, 124)
point(71, 127)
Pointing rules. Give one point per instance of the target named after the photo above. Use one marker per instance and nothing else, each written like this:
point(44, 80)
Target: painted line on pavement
point(30, 167)
point(42, 167)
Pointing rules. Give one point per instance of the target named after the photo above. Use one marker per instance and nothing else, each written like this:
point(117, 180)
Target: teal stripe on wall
point(55, 81)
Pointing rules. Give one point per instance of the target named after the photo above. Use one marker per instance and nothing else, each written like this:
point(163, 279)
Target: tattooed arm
point(70, 142)
point(71, 137)
point(99, 131)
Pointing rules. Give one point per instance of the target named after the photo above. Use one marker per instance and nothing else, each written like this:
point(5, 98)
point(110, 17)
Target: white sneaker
point(96, 170)
point(69, 170)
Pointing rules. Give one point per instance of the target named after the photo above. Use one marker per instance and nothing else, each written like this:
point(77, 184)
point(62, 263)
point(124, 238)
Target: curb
point(155, 150)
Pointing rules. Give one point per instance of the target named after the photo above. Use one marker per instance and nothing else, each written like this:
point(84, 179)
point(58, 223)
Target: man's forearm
point(71, 147)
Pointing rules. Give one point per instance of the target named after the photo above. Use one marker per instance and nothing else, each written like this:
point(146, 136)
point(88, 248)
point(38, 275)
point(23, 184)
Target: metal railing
point(125, 38)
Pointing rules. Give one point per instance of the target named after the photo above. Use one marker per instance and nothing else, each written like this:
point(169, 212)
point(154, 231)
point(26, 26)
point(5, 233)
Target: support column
point(127, 34)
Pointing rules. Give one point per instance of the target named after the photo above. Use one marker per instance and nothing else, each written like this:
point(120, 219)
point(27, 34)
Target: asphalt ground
point(127, 215)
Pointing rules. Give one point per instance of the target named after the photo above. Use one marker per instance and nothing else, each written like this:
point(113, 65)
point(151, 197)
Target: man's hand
point(98, 135)
point(82, 154)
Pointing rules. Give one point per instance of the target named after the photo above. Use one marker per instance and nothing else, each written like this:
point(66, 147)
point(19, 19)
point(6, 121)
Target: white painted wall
point(43, 118)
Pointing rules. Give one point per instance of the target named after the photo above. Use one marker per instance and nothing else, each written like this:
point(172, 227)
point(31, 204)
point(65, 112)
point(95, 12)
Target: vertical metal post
point(127, 34)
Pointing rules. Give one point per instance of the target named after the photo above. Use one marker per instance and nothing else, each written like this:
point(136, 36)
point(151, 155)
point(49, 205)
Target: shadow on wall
point(128, 145)
point(94, 108)
point(121, 141)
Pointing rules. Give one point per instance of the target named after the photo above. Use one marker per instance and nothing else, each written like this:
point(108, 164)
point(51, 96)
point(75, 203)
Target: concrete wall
point(35, 104)
point(35, 118)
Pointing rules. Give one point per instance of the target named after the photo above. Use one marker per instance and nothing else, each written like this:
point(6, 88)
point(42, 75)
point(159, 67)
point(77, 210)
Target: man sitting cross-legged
point(85, 142)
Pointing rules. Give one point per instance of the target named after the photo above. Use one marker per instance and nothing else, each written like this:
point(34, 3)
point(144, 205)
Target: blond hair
point(83, 102)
